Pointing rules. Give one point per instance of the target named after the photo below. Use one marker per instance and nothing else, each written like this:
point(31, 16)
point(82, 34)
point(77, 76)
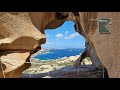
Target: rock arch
point(89, 51)
point(14, 25)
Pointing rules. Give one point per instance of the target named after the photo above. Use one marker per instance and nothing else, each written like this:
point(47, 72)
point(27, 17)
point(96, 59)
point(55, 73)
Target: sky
point(63, 37)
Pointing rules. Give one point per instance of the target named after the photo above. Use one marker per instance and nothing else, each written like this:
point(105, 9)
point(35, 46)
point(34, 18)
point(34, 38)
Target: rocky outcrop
point(21, 34)
point(89, 50)
point(106, 46)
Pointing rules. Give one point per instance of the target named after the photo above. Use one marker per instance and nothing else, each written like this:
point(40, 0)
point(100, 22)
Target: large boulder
point(106, 46)
point(21, 34)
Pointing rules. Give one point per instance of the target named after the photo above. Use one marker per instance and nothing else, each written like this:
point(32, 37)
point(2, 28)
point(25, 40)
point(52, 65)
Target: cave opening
point(60, 53)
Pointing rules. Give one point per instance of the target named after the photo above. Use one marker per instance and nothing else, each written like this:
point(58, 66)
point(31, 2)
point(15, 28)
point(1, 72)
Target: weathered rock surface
point(89, 50)
point(21, 34)
point(13, 63)
point(106, 46)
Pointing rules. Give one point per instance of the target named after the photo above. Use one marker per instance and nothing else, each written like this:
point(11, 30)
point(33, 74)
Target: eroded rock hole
point(63, 55)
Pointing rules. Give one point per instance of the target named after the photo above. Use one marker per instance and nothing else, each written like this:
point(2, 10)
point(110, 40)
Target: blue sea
point(52, 54)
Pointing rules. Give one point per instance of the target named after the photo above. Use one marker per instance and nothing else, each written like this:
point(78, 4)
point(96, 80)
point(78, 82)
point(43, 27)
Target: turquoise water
point(59, 53)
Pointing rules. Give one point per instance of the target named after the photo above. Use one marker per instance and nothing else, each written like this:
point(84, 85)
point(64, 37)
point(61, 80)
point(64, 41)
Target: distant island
point(56, 53)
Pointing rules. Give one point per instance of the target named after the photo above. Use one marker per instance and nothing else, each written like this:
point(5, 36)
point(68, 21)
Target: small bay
point(52, 54)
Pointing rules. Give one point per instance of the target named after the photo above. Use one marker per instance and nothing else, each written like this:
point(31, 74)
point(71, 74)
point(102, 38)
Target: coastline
point(62, 69)
point(44, 66)
point(47, 54)
point(59, 68)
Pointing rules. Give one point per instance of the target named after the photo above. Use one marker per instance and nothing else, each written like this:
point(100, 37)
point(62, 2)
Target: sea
point(52, 54)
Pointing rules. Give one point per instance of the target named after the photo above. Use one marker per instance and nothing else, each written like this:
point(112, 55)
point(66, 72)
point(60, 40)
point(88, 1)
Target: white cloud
point(59, 35)
point(66, 32)
point(72, 36)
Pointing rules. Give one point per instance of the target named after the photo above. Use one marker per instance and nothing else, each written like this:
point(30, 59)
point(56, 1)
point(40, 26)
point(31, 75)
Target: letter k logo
point(102, 24)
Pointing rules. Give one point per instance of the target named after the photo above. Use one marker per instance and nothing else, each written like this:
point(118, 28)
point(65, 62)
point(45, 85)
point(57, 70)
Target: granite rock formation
point(106, 46)
point(21, 34)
